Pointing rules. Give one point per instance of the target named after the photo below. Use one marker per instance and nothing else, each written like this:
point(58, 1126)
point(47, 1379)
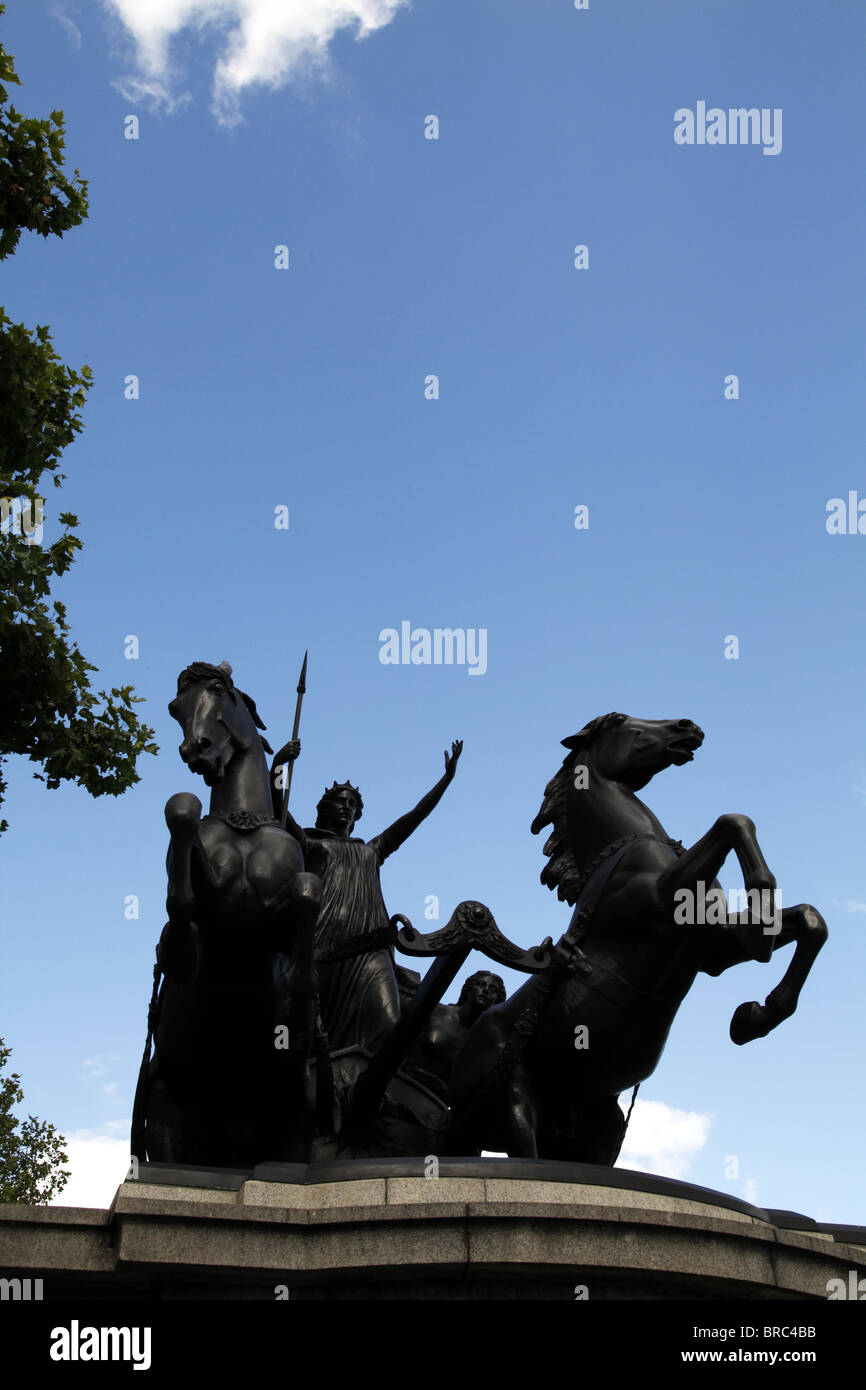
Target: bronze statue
point(540, 1075)
point(434, 1054)
point(358, 993)
point(271, 927)
point(232, 1021)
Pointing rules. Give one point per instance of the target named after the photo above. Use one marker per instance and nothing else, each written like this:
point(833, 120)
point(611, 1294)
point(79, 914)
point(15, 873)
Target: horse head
point(217, 719)
point(592, 798)
point(632, 751)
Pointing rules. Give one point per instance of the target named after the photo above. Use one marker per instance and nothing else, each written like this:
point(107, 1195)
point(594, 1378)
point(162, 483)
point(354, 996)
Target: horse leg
point(591, 1133)
point(176, 952)
point(704, 859)
point(805, 925)
point(298, 1012)
point(520, 1117)
point(305, 901)
point(167, 1122)
point(702, 862)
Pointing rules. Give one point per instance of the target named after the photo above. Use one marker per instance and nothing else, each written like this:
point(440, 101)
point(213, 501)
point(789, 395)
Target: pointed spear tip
point(302, 682)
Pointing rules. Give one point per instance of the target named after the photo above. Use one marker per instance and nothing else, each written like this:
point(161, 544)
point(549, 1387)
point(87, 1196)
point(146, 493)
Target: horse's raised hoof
point(182, 814)
point(750, 1021)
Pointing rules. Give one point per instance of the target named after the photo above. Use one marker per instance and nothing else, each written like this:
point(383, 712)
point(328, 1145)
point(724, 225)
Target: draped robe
point(358, 993)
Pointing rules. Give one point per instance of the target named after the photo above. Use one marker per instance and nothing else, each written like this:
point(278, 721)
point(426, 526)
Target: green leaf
point(48, 711)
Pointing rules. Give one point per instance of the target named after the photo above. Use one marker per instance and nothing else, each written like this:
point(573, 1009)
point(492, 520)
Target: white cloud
point(95, 1066)
point(98, 1163)
point(259, 42)
point(662, 1140)
point(69, 25)
point(101, 1066)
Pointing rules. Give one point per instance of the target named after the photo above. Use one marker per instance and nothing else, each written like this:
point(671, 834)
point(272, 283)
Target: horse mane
point(203, 670)
point(562, 871)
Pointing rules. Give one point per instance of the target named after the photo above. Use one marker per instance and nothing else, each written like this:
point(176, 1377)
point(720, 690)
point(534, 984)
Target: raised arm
point(396, 834)
point(286, 754)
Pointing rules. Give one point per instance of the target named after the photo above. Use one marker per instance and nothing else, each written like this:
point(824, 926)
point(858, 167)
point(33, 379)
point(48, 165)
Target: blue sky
point(557, 387)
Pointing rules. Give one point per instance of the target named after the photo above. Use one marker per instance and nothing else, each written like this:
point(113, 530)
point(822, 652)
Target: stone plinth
point(482, 1229)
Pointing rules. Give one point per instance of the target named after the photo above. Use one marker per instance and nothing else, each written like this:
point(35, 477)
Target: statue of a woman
point(358, 994)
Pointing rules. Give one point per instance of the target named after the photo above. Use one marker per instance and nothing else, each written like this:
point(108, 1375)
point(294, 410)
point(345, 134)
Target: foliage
point(48, 711)
point(35, 194)
point(31, 1151)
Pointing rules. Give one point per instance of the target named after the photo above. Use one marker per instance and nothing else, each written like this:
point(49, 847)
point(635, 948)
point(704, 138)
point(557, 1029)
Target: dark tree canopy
point(48, 710)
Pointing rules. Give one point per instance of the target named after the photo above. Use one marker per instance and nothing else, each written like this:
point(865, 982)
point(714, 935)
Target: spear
point(302, 686)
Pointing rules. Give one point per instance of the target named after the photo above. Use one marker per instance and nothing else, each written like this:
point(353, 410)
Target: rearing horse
point(539, 1075)
point(233, 1023)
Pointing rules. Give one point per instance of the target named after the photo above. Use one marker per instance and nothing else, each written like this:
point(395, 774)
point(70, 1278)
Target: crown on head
point(330, 792)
